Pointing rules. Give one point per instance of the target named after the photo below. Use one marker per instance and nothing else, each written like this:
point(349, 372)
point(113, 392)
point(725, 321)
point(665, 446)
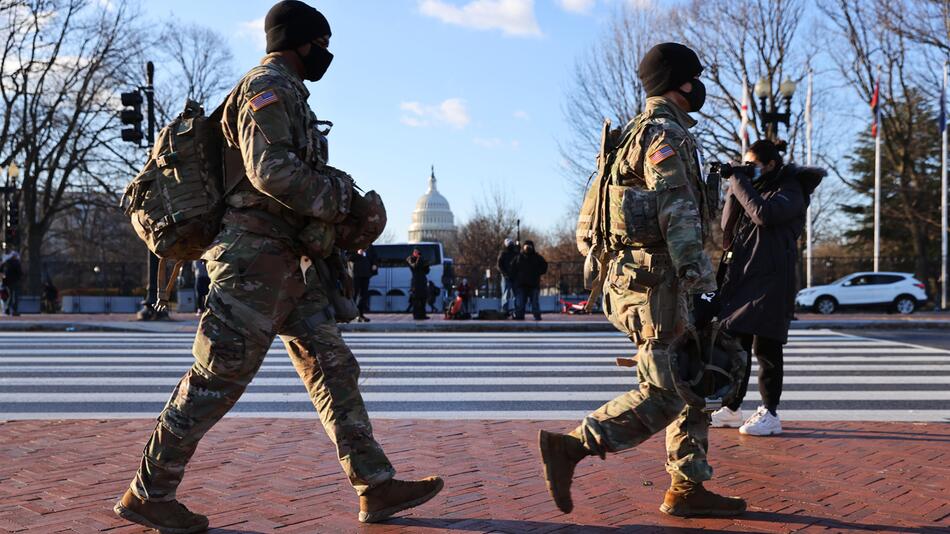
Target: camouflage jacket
point(664, 158)
point(267, 117)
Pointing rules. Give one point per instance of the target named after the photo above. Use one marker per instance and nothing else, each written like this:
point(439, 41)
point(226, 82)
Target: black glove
point(706, 307)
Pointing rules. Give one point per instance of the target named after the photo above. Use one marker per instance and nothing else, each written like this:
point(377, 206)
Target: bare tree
point(925, 22)
point(195, 63)
point(480, 238)
point(740, 41)
point(606, 85)
point(874, 52)
point(63, 67)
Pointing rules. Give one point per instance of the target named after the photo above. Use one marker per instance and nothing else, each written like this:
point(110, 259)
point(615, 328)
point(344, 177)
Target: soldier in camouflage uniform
point(649, 288)
point(272, 270)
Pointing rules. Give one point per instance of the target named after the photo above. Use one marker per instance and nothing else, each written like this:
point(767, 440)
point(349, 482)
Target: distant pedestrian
point(507, 255)
point(433, 295)
point(12, 271)
point(50, 300)
point(527, 269)
point(363, 266)
point(465, 293)
point(419, 287)
point(202, 285)
point(448, 280)
point(762, 219)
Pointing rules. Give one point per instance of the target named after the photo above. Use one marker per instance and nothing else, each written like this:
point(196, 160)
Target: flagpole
point(808, 161)
point(943, 194)
point(877, 179)
point(744, 125)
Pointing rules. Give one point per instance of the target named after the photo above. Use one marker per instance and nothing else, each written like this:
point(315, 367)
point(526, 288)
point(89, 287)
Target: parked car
point(899, 292)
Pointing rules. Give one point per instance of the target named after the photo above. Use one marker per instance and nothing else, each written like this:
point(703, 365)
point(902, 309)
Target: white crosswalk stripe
point(828, 376)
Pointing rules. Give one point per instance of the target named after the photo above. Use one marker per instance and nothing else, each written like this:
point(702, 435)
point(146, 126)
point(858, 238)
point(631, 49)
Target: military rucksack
point(176, 201)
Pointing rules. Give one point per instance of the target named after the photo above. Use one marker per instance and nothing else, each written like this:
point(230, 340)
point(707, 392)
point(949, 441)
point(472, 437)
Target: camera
point(725, 170)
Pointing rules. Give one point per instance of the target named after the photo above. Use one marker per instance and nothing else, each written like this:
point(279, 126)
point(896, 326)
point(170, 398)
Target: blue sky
point(473, 87)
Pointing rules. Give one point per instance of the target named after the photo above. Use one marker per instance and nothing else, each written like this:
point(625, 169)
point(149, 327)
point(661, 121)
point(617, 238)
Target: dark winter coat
point(505, 258)
point(420, 270)
point(12, 271)
point(363, 265)
point(527, 269)
point(761, 229)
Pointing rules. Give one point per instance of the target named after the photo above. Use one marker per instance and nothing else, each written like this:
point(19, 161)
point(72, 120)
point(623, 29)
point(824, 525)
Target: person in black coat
point(420, 284)
point(527, 269)
point(363, 266)
point(12, 271)
point(762, 219)
point(505, 258)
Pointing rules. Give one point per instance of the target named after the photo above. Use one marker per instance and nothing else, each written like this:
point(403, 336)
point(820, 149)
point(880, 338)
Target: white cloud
point(521, 115)
point(253, 30)
point(513, 17)
point(577, 6)
point(492, 142)
point(451, 112)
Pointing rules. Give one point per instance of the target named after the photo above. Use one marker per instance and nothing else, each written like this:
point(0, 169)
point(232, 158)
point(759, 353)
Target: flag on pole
point(744, 127)
point(875, 106)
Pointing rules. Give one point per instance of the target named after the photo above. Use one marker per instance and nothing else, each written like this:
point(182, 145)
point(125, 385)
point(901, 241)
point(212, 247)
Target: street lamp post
point(11, 206)
point(768, 111)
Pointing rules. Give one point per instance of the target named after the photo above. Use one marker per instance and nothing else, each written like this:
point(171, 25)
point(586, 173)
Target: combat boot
point(560, 453)
point(688, 499)
point(393, 496)
point(169, 517)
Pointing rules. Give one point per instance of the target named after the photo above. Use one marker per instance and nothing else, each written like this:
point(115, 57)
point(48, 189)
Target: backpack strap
point(166, 286)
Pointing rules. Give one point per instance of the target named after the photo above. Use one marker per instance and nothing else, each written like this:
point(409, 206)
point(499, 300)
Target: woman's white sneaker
point(762, 423)
point(726, 418)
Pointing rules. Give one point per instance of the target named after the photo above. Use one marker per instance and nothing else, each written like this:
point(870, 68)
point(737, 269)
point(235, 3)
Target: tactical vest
point(618, 210)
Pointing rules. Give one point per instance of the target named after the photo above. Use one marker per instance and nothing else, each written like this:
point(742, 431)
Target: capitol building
point(432, 220)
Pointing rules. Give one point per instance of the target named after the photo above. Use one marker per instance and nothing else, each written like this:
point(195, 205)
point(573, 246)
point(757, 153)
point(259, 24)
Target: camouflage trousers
point(257, 291)
point(641, 300)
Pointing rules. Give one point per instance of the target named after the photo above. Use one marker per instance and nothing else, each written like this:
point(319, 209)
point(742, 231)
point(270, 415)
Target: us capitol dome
point(432, 220)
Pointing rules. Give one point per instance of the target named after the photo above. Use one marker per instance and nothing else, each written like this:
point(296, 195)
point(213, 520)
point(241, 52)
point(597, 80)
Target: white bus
point(389, 289)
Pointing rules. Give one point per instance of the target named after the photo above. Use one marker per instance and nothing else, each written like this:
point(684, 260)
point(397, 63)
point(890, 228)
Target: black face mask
point(316, 63)
point(697, 95)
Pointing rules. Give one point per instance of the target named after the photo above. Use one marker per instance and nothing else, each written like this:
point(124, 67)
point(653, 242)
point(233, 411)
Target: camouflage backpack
point(176, 201)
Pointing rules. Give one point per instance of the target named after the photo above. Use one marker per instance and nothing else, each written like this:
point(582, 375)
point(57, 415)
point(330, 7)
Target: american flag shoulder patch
point(262, 100)
point(661, 154)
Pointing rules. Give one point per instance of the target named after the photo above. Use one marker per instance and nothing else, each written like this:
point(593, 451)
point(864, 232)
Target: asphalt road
point(928, 337)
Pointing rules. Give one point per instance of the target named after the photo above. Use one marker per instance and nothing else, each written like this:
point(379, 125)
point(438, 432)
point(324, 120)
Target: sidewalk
point(258, 475)
point(403, 322)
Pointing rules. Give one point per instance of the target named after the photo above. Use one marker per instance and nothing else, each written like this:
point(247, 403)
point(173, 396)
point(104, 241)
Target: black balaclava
point(667, 66)
point(291, 24)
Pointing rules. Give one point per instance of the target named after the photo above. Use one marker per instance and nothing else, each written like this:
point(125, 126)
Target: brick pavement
point(254, 475)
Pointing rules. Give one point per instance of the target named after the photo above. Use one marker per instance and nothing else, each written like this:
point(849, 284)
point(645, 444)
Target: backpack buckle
point(167, 160)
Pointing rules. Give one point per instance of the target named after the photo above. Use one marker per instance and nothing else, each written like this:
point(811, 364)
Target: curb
point(472, 326)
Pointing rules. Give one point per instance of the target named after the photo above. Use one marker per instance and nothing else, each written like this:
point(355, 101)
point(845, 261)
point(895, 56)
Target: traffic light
point(132, 117)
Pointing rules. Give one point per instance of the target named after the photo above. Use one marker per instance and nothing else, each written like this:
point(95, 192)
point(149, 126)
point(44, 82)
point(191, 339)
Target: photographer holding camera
point(762, 219)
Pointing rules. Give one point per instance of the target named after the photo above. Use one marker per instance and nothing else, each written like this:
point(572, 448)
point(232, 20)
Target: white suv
point(901, 292)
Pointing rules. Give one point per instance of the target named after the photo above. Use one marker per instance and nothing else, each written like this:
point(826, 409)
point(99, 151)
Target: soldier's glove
point(364, 224)
point(317, 238)
point(706, 307)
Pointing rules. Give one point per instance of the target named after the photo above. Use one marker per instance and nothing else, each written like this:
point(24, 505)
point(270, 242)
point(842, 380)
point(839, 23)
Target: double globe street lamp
point(769, 114)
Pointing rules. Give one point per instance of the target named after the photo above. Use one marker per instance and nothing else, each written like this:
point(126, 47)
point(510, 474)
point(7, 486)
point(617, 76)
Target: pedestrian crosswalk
point(538, 375)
